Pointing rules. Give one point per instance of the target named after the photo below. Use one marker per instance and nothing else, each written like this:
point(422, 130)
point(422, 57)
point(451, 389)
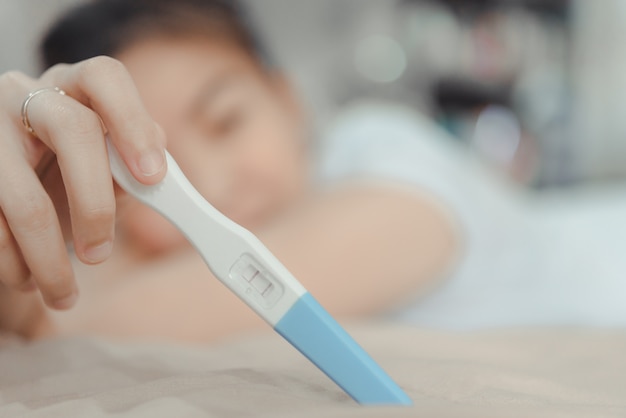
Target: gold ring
point(30, 96)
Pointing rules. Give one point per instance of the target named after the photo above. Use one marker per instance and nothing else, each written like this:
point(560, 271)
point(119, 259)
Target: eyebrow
point(210, 90)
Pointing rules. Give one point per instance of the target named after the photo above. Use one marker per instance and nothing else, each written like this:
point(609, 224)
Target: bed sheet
point(535, 372)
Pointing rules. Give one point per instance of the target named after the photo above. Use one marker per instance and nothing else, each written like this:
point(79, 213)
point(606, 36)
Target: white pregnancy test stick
point(239, 260)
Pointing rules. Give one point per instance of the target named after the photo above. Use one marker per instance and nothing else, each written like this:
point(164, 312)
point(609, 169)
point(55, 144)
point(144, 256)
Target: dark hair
point(106, 27)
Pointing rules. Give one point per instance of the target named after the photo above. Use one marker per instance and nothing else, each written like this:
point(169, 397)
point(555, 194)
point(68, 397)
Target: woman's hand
point(100, 99)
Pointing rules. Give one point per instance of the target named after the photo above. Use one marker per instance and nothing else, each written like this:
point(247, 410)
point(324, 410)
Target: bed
point(526, 372)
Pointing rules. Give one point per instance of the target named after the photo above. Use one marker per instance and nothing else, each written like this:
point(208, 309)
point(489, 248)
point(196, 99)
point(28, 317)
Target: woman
point(186, 74)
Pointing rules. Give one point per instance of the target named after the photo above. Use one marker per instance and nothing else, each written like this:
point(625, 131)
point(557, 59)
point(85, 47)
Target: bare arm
point(359, 250)
point(365, 247)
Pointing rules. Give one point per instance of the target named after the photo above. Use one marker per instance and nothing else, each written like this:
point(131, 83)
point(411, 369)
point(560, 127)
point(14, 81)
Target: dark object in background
point(458, 94)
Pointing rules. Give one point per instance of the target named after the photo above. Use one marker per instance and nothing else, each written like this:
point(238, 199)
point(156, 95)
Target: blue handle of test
point(309, 328)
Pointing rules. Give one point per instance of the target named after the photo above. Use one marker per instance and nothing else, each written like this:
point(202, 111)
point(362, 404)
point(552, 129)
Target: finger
point(103, 84)
point(33, 223)
point(75, 134)
point(15, 87)
point(13, 270)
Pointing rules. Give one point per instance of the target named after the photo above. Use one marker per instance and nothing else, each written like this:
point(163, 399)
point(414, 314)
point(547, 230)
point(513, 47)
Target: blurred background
point(532, 87)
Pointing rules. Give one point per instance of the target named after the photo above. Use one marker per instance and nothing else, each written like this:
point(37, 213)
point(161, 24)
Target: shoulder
point(373, 136)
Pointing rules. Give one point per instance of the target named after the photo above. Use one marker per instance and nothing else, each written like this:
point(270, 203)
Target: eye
point(219, 125)
point(227, 122)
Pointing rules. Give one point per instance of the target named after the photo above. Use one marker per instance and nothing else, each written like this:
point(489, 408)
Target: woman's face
point(234, 129)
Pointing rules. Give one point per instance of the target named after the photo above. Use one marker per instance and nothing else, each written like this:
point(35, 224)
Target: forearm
point(362, 248)
point(359, 250)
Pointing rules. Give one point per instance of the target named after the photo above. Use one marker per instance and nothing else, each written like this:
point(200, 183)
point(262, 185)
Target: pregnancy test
point(240, 260)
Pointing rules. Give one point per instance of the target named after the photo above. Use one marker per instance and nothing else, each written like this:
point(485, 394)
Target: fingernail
point(66, 302)
point(152, 163)
point(98, 253)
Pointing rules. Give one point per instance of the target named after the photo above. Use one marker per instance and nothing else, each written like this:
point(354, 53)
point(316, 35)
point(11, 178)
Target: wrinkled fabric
point(549, 372)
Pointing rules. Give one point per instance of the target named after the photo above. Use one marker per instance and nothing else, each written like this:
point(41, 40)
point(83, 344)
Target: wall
point(313, 41)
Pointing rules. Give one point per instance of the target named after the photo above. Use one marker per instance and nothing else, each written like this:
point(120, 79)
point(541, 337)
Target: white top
point(525, 260)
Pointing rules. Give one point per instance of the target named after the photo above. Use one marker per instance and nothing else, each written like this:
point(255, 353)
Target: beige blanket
point(538, 373)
